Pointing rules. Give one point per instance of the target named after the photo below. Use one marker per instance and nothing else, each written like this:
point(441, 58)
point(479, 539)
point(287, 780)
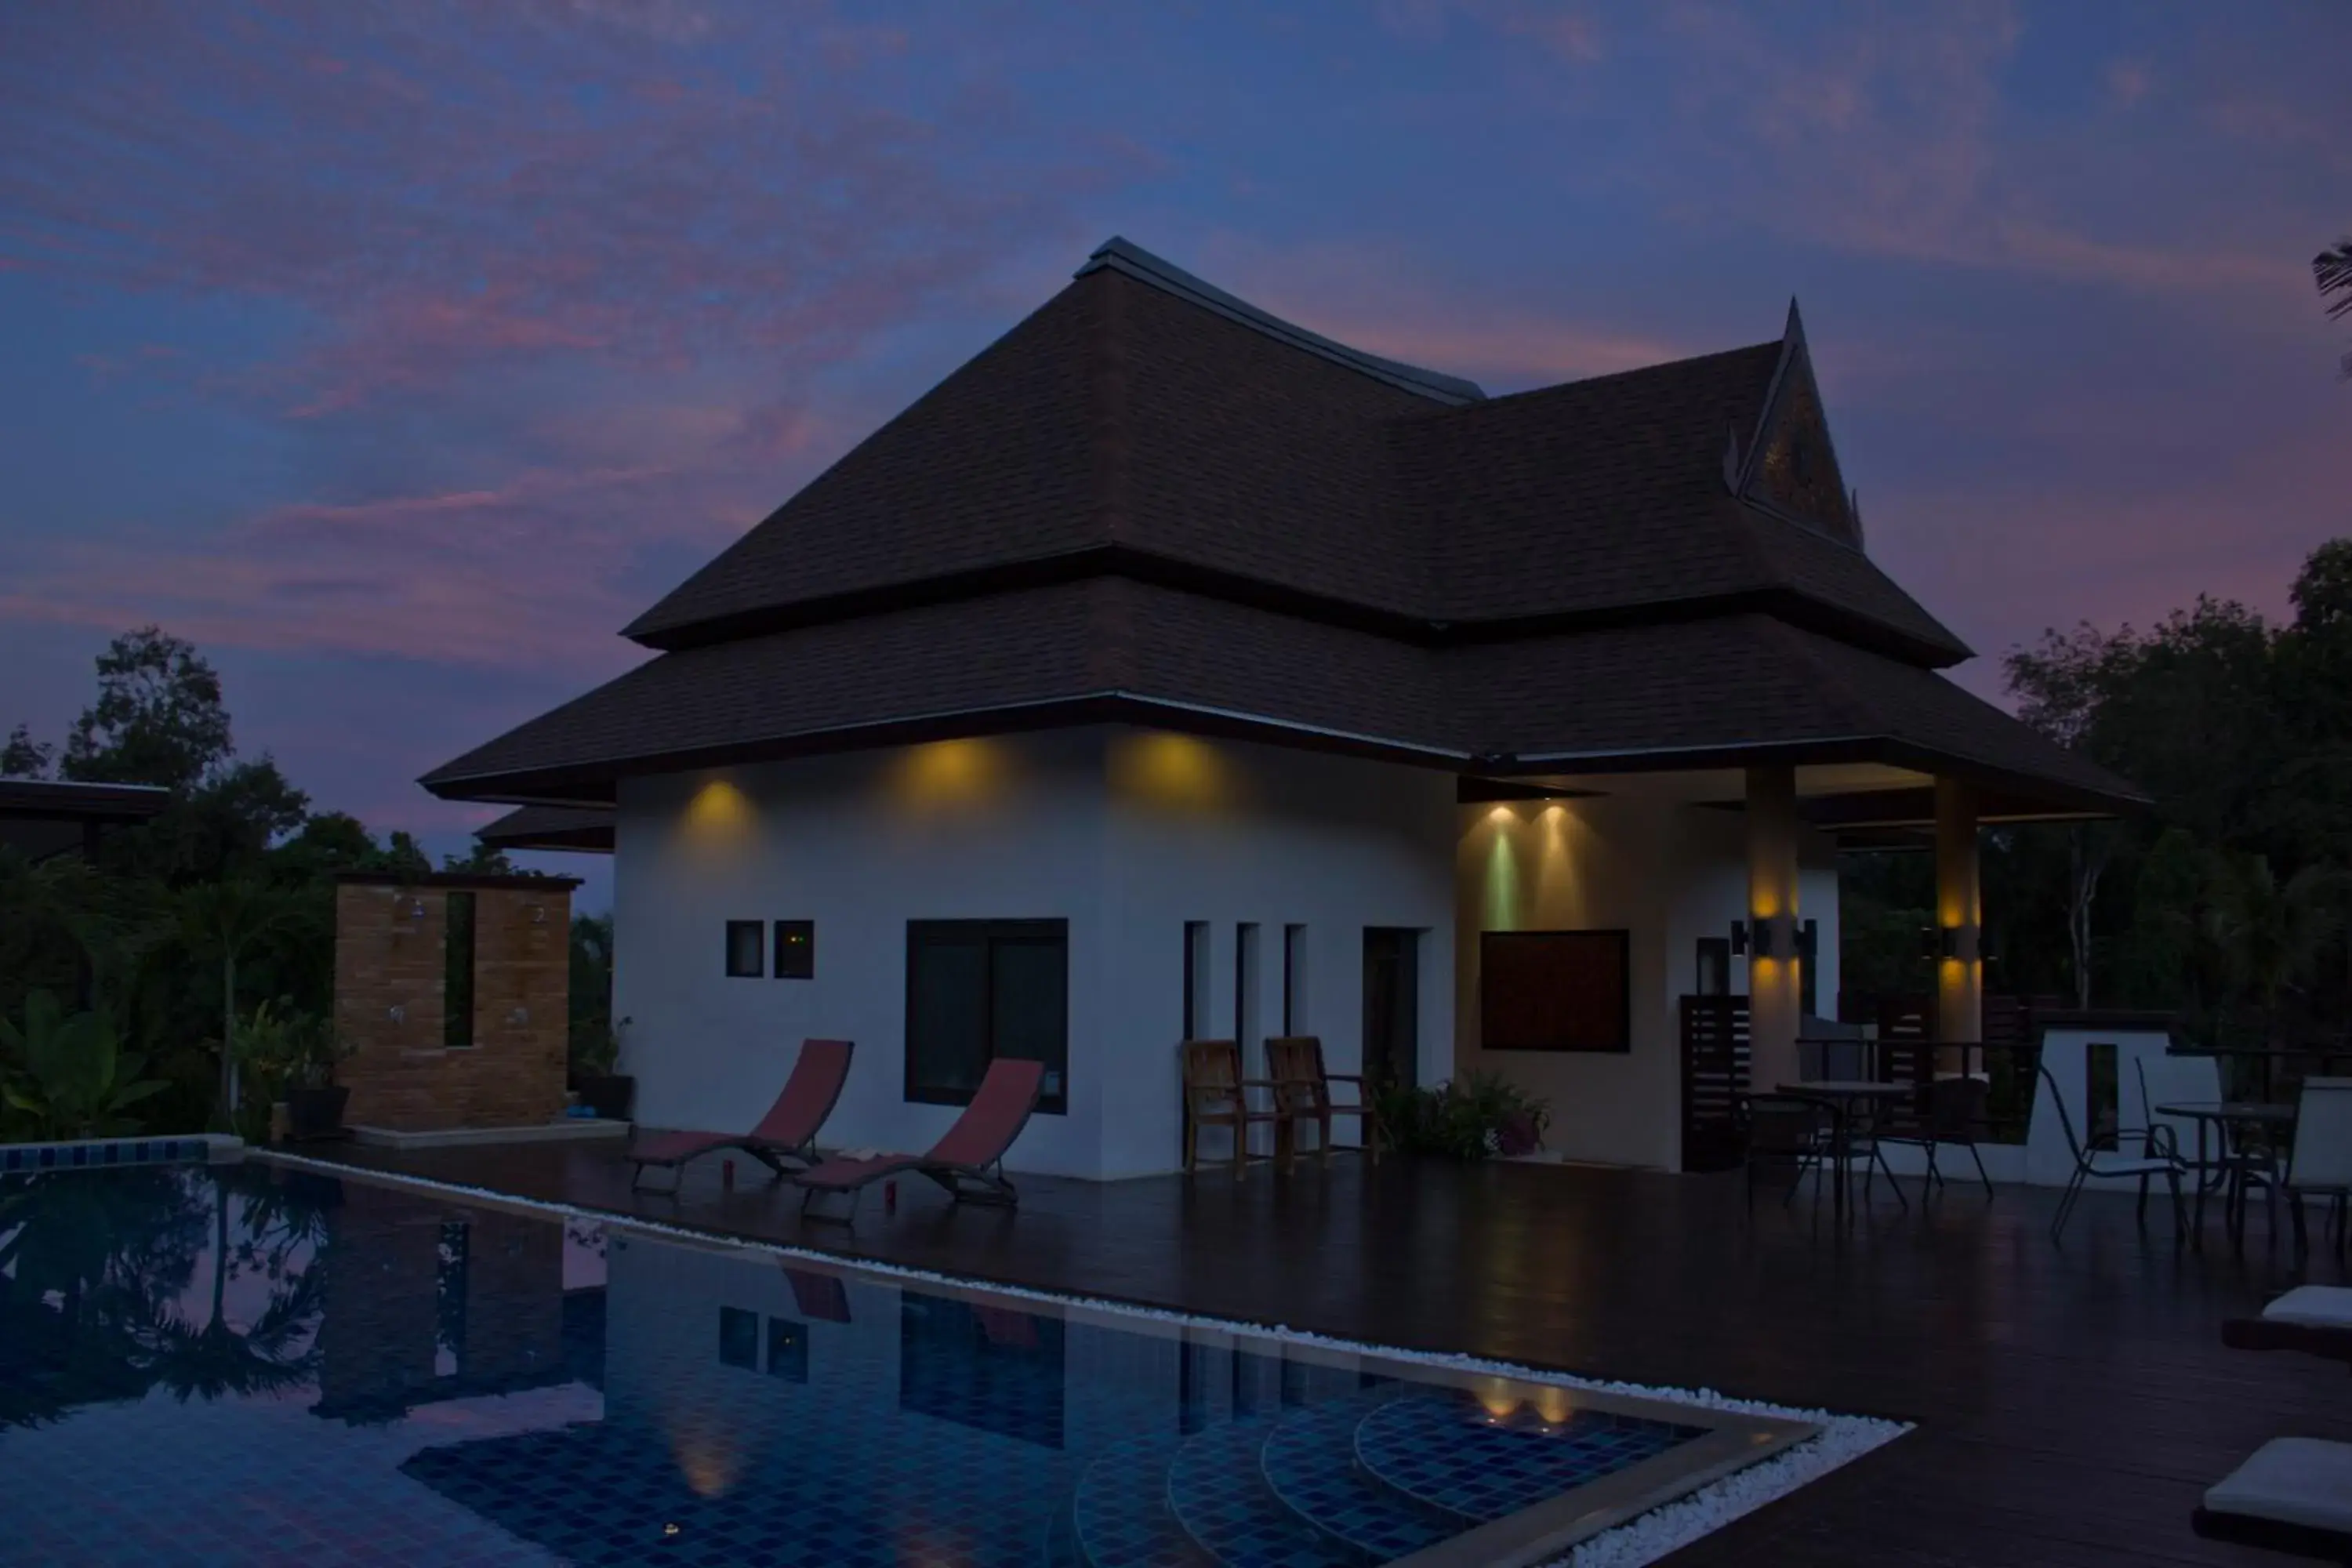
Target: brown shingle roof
point(1107, 649)
point(1125, 427)
point(1148, 502)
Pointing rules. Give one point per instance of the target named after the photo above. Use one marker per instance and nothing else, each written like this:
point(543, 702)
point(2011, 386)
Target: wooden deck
point(2071, 1402)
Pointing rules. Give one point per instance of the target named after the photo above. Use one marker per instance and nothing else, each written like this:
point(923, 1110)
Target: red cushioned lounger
point(968, 1161)
point(786, 1137)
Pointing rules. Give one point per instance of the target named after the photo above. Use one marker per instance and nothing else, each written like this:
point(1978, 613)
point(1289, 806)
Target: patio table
point(2220, 1113)
point(1842, 1096)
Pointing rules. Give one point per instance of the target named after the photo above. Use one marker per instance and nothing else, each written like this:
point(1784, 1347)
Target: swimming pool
point(241, 1363)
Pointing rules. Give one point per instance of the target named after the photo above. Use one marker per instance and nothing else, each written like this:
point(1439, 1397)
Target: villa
point(1169, 670)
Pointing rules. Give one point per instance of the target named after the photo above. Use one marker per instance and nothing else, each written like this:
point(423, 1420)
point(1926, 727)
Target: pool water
point(243, 1364)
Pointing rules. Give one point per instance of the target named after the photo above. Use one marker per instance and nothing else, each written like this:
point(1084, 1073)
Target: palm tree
point(2332, 270)
point(227, 918)
point(278, 1351)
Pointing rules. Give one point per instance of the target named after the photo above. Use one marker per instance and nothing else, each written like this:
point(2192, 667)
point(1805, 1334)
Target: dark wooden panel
point(1554, 991)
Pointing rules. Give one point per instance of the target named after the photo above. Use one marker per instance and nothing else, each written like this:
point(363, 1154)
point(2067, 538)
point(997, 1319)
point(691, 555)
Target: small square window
point(795, 950)
point(738, 1338)
point(788, 1349)
point(744, 940)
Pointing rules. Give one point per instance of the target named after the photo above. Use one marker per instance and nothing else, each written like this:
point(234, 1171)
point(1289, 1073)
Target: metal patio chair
point(2114, 1164)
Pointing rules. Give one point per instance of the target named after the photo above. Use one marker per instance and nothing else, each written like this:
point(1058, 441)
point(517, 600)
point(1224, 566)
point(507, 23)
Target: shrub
point(1474, 1116)
point(64, 1077)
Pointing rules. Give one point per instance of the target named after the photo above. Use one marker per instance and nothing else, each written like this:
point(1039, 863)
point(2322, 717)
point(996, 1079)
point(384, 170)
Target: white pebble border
point(1653, 1535)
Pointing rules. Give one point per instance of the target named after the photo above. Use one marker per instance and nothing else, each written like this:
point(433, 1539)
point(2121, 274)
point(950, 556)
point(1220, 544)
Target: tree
point(483, 859)
point(226, 920)
point(2331, 269)
point(592, 986)
point(24, 757)
point(2269, 933)
point(158, 719)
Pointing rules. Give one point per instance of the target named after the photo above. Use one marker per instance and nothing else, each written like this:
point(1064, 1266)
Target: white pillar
point(1960, 916)
point(1774, 984)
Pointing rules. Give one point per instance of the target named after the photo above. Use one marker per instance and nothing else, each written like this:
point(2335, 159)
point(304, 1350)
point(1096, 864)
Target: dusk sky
point(398, 353)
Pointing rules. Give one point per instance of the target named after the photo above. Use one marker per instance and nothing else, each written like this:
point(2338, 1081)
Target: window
point(1809, 938)
point(1294, 979)
point(738, 1338)
point(1245, 972)
point(744, 940)
point(1554, 991)
point(788, 1349)
point(1714, 967)
point(1196, 977)
point(978, 990)
point(1391, 1005)
point(989, 1368)
point(457, 972)
point(795, 950)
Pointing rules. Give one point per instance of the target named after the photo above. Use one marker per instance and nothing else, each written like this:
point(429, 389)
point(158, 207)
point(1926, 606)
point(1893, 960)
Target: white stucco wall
point(1667, 872)
point(1127, 835)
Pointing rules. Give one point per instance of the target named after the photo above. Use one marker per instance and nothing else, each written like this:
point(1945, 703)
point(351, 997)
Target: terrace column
point(1960, 914)
point(1773, 983)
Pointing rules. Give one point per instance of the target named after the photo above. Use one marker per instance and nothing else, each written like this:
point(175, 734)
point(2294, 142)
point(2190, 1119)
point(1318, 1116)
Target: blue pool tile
point(457, 1397)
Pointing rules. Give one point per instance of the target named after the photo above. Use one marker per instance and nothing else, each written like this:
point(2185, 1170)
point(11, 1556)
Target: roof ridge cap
point(1111, 439)
point(1128, 260)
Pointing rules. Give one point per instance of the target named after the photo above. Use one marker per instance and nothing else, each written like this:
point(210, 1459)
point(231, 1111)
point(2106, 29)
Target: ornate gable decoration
point(1793, 470)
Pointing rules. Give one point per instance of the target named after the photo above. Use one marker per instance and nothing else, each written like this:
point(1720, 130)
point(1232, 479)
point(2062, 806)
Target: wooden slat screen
point(1714, 1079)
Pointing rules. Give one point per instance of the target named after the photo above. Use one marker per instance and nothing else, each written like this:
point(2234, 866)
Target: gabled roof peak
point(1128, 260)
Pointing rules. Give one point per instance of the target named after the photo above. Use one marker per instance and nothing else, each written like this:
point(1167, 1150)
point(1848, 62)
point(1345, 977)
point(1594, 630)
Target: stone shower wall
point(389, 955)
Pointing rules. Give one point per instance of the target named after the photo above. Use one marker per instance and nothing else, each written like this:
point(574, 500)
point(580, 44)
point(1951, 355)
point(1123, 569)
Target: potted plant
point(297, 1053)
point(595, 1052)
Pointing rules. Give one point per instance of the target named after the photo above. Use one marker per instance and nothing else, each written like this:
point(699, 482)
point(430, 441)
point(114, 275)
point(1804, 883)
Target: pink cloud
point(446, 189)
point(2128, 82)
point(1892, 135)
point(2003, 557)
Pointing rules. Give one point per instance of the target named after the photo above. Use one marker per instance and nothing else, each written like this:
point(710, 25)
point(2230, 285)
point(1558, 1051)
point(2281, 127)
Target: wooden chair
point(1303, 1090)
point(1217, 1095)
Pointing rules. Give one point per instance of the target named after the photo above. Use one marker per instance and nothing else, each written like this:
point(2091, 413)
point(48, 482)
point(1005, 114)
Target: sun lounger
point(2313, 1318)
point(968, 1161)
point(821, 1298)
point(2293, 1495)
point(786, 1137)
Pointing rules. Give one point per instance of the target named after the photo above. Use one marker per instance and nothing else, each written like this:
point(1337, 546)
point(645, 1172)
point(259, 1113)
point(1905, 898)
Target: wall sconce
point(399, 1013)
point(1765, 939)
point(539, 914)
point(416, 909)
point(519, 1015)
point(1947, 941)
point(1739, 937)
point(1931, 943)
point(1808, 940)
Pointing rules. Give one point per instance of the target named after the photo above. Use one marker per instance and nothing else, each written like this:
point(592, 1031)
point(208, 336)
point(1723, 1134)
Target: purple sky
point(398, 353)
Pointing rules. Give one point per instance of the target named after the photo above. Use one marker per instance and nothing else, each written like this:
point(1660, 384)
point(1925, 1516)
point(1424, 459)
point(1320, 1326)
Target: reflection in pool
point(239, 1364)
